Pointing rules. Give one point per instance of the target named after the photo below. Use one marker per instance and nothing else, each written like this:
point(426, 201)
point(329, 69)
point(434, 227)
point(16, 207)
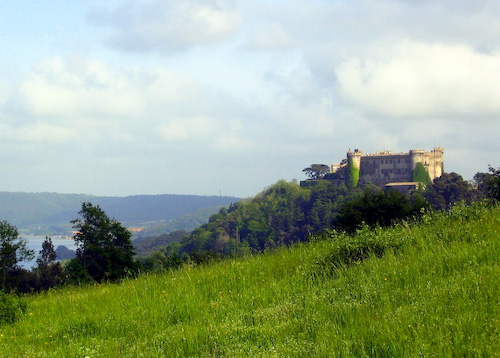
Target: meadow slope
point(426, 290)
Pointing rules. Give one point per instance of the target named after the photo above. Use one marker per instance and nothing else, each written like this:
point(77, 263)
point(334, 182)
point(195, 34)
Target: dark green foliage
point(489, 183)
point(352, 174)
point(375, 207)
point(47, 255)
point(286, 213)
point(146, 246)
point(274, 217)
point(449, 189)
point(49, 272)
point(325, 200)
point(316, 171)
point(11, 308)
point(105, 249)
point(13, 249)
point(420, 174)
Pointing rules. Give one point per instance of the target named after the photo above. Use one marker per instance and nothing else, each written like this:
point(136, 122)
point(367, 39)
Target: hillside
point(413, 290)
point(50, 213)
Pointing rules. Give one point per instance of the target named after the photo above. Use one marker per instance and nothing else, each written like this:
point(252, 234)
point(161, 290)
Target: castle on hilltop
point(387, 169)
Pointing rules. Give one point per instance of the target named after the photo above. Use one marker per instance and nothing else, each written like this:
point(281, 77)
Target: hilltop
point(416, 289)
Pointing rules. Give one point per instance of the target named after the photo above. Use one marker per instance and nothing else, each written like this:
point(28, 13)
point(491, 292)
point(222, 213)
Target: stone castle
point(387, 169)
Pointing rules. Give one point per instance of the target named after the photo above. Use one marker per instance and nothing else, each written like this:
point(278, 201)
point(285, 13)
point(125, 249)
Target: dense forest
point(285, 213)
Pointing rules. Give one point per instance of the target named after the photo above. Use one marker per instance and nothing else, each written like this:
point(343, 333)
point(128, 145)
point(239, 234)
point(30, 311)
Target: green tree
point(47, 255)
point(374, 206)
point(13, 249)
point(448, 189)
point(104, 246)
point(489, 183)
point(49, 272)
point(317, 171)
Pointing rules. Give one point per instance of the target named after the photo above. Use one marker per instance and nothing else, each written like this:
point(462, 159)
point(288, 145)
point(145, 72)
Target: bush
point(11, 308)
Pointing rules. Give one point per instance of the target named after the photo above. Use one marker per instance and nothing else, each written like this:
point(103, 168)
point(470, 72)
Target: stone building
point(387, 168)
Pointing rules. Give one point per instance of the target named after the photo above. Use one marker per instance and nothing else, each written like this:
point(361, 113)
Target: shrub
point(11, 308)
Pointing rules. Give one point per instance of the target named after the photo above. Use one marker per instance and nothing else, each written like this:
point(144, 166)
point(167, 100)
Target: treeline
point(282, 214)
point(286, 213)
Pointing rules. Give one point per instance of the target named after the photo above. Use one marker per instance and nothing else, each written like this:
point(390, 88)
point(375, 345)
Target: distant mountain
point(51, 213)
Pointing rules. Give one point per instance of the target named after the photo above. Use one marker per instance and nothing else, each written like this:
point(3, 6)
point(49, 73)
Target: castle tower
point(353, 167)
point(417, 156)
point(355, 157)
point(437, 158)
point(432, 161)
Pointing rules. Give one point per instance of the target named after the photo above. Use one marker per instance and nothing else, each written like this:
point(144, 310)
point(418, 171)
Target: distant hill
point(51, 213)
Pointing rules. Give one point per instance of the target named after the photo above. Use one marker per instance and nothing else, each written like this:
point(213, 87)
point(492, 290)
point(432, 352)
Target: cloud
point(167, 26)
point(416, 79)
point(39, 132)
point(77, 87)
point(272, 37)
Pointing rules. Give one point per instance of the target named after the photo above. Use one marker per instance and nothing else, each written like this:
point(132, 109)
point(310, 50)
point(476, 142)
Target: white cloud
point(187, 129)
point(78, 87)
point(423, 80)
point(272, 37)
point(168, 26)
point(40, 132)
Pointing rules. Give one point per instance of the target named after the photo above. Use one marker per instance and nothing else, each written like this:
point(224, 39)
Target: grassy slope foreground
point(427, 290)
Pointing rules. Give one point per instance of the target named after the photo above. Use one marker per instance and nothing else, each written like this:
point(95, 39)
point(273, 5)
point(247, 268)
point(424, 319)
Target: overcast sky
point(210, 96)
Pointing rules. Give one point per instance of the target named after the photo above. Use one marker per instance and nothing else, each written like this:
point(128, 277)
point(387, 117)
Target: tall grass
point(427, 290)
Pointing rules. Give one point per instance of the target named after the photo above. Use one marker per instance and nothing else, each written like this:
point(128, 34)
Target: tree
point(49, 272)
point(104, 246)
point(47, 255)
point(13, 250)
point(448, 189)
point(317, 171)
point(489, 183)
point(375, 207)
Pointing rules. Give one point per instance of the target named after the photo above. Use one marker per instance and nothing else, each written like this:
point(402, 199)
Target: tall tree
point(104, 246)
point(48, 271)
point(493, 184)
point(316, 171)
point(47, 255)
point(13, 249)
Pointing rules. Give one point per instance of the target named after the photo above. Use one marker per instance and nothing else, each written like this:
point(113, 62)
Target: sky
point(210, 97)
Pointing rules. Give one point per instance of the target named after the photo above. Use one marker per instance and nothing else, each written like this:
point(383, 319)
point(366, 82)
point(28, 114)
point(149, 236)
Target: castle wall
point(386, 167)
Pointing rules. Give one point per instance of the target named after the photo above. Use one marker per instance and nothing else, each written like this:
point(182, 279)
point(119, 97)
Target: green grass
point(428, 290)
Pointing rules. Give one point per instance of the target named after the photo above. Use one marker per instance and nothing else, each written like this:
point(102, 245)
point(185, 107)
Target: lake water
point(35, 243)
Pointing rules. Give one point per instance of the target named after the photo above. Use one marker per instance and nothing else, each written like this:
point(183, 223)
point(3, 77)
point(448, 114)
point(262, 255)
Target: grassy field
point(428, 290)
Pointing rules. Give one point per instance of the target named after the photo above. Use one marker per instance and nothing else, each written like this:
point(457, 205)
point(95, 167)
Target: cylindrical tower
point(353, 167)
point(416, 155)
point(354, 157)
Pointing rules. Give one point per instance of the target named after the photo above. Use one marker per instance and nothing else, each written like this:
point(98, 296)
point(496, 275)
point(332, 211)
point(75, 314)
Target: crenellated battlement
point(385, 167)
